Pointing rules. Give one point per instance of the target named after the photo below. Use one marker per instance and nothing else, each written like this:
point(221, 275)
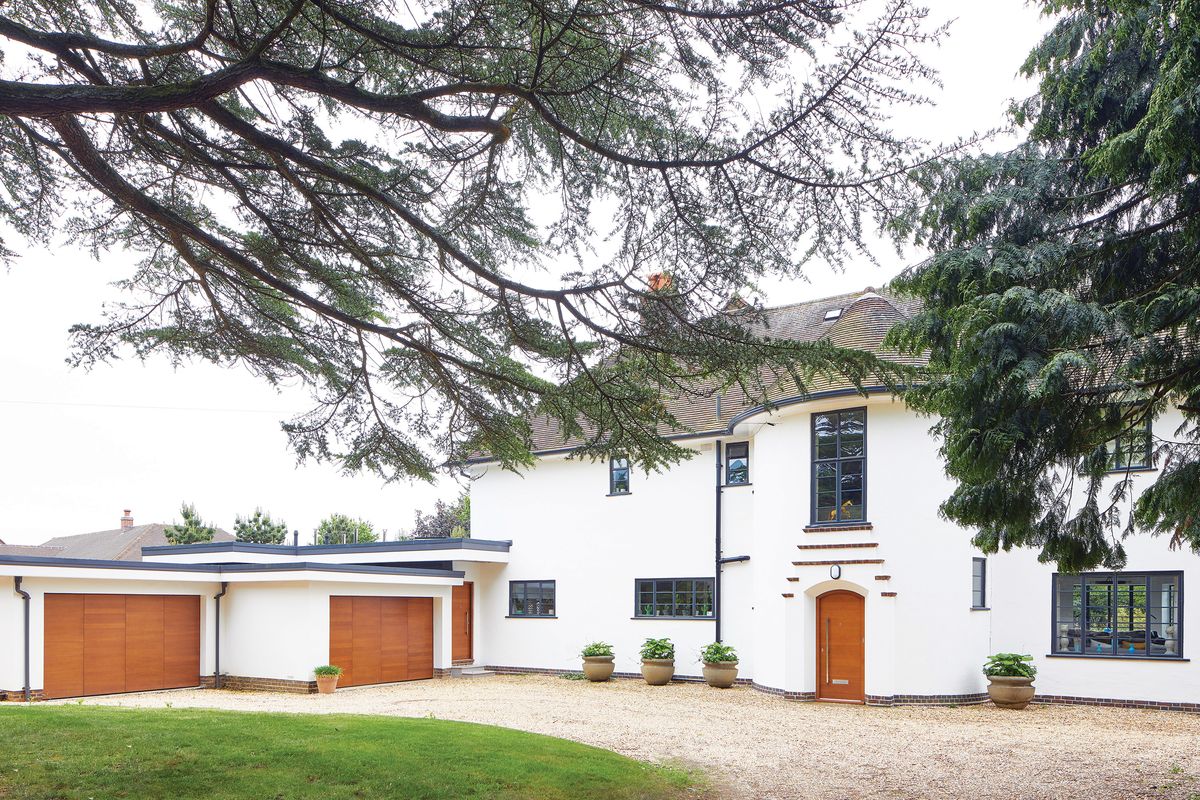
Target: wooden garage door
point(108, 643)
point(381, 639)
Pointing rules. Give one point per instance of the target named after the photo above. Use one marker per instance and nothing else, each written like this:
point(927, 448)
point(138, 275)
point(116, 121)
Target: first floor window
point(737, 463)
point(1131, 449)
point(618, 476)
point(979, 583)
point(1119, 614)
point(839, 465)
point(531, 598)
point(674, 597)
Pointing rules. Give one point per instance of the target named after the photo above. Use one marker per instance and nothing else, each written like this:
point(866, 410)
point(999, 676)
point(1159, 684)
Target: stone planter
point(326, 683)
point(720, 674)
point(598, 668)
point(658, 671)
point(1010, 691)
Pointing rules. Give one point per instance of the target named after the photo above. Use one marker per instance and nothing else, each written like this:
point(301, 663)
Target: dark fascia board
point(733, 422)
point(413, 545)
point(221, 569)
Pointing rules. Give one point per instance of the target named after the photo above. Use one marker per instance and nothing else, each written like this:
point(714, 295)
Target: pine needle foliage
point(193, 529)
point(443, 217)
point(1062, 305)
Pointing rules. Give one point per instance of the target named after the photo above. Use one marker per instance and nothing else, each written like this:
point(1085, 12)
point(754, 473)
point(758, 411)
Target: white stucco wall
point(927, 640)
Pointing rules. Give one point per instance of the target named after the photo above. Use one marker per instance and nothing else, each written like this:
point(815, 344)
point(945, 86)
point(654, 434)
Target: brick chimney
point(127, 520)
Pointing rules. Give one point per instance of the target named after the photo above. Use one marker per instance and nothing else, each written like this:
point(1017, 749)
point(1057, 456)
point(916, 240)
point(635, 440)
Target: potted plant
point(327, 678)
point(598, 661)
point(720, 665)
point(1010, 679)
point(658, 661)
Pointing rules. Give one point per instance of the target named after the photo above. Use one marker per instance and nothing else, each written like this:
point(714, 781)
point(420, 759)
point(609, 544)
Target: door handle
point(827, 649)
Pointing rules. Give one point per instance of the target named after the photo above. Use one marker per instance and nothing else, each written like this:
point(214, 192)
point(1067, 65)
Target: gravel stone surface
point(754, 745)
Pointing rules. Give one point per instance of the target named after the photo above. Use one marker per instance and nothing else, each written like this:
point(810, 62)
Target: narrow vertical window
point(737, 463)
point(839, 466)
point(618, 476)
point(979, 583)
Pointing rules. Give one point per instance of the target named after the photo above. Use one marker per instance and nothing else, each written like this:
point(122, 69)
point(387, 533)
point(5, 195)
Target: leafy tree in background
point(446, 218)
point(1062, 307)
point(192, 531)
point(341, 529)
point(259, 528)
point(448, 520)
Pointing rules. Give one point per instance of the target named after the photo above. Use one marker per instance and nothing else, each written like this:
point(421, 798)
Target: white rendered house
point(806, 535)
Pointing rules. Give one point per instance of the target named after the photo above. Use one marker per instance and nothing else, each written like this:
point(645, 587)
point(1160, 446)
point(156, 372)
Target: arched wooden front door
point(841, 647)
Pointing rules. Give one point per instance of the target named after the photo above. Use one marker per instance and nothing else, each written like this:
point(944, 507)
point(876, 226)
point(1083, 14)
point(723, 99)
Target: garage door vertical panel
point(394, 640)
point(104, 643)
point(367, 628)
point(143, 642)
point(181, 641)
point(420, 637)
point(62, 672)
point(341, 637)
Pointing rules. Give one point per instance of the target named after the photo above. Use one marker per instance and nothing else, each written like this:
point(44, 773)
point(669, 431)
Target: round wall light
point(835, 571)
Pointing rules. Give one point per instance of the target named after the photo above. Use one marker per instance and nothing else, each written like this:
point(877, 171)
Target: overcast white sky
point(76, 448)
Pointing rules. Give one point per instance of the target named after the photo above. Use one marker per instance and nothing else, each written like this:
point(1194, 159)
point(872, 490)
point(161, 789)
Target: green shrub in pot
point(658, 661)
point(598, 661)
point(327, 677)
point(1010, 679)
point(720, 665)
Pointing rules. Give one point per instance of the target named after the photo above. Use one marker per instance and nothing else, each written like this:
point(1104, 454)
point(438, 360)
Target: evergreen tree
point(446, 219)
point(342, 529)
point(1062, 305)
point(448, 520)
point(192, 531)
point(259, 528)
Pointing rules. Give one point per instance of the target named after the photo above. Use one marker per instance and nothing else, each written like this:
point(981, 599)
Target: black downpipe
point(717, 578)
point(217, 640)
point(25, 596)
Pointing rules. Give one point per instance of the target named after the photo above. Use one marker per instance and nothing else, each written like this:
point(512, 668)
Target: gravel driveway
point(758, 746)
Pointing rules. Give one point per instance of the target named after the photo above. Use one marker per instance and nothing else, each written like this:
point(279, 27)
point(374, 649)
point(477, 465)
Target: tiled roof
point(29, 550)
point(864, 320)
point(120, 544)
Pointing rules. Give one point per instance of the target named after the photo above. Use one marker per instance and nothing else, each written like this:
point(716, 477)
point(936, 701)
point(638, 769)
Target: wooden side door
point(841, 647)
point(463, 629)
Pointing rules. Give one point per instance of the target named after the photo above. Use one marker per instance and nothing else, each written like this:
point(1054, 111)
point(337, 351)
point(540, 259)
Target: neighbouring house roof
point(119, 544)
point(28, 550)
point(861, 322)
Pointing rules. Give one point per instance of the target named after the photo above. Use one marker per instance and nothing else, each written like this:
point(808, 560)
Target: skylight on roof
point(832, 314)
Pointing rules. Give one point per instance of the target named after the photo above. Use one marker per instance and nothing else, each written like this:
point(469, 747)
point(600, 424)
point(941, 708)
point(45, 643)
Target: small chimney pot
point(127, 520)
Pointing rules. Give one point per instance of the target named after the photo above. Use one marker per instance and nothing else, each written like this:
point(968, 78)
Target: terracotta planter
point(326, 683)
point(658, 671)
point(1010, 691)
point(598, 668)
point(720, 674)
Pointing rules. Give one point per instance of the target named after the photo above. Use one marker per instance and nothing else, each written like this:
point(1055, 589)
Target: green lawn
point(89, 752)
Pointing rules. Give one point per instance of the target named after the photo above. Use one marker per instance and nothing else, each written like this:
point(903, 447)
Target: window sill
point(681, 619)
point(1116, 658)
point(1124, 470)
point(838, 526)
point(618, 494)
point(981, 608)
point(531, 616)
point(735, 485)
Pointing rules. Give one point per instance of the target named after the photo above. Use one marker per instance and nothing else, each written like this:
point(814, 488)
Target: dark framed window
point(839, 466)
point(737, 463)
point(1130, 614)
point(531, 599)
point(618, 476)
point(690, 598)
point(978, 583)
point(1131, 449)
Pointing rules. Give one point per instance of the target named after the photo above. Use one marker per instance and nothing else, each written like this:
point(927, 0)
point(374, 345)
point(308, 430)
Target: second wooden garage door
point(108, 643)
point(381, 639)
